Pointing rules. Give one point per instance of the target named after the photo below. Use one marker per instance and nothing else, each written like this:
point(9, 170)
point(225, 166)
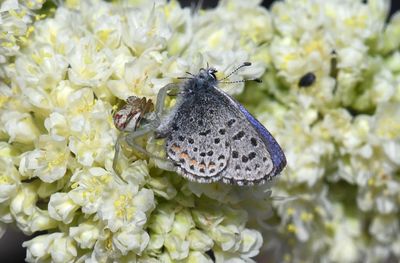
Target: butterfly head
point(207, 74)
point(206, 77)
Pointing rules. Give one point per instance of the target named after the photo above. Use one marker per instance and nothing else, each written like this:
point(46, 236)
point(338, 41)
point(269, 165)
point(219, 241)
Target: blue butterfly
point(211, 137)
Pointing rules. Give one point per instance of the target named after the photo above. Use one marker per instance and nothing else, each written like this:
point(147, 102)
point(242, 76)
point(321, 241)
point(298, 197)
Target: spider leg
point(162, 94)
point(152, 122)
point(129, 138)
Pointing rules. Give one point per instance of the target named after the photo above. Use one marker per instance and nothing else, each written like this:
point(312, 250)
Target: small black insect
point(307, 80)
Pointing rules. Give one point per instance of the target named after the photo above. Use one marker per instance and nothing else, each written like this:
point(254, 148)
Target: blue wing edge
point(277, 155)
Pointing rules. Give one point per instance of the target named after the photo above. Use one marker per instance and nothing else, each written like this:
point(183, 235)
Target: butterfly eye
point(212, 72)
point(213, 75)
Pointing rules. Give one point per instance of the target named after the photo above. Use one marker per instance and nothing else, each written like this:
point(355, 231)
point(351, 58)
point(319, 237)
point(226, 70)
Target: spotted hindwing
point(255, 155)
point(211, 137)
point(196, 139)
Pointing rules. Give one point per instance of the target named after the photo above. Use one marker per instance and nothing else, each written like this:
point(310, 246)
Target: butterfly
point(210, 137)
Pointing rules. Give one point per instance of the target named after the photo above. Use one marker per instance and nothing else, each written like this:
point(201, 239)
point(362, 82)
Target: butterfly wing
point(258, 156)
point(195, 139)
point(211, 137)
point(255, 155)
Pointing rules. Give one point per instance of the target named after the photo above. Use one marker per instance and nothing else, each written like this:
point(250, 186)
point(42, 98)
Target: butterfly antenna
point(187, 72)
point(245, 64)
point(240, 81)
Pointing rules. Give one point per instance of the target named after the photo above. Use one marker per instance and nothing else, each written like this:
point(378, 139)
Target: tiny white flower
point(146, 29)
point(49, 162)
point(163, 187)
point(92, 137)
point(90, 65)
point(344, 249)
point(383, 87)
point(251, 242)
point(177, 248)
point(392, 150)
point(9, 176)
point(62, 208)
point(346, 230)
point(9, 5)
point(106, 26)
point(131, 238)
point(183, 223)
point(61, 94)
point(5, 214)
point(88, 188)
point(22, 206)
point(162, 219)
point(137, 173)
point(385, 227)
point(389, 41)
point(57, 125)
point(386, 121)
point(125, 204)
point(122, 58)
point(38, 247)
point(386, 204)
point(16, 21)
point(63, 249)
point(138, 78)
point(20, 127)
point(199, 241)
point(39, 71)
point(40, 220)
point(156, 242)
point(304, 155)
point(227, 237)
point(84, 146)
point(85, 234)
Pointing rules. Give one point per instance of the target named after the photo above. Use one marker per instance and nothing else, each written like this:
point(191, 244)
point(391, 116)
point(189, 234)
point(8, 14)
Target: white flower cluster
point(57, 97)
point(341, 133)
point(16, 18)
